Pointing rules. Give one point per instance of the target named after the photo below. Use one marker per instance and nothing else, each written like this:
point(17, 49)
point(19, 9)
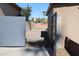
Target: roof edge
point(57, 5)
point(49, 8)
point(16, 5)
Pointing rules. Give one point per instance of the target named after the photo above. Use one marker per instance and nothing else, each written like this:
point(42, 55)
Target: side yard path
point(35, 40)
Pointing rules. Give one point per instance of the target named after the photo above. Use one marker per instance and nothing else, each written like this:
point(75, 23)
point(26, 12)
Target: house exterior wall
point(8, 10)
point(60, 41)
point(49, 26)
point(49, 21)
point(69, 22)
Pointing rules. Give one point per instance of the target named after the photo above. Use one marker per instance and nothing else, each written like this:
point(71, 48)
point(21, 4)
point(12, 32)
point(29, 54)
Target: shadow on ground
point(46, 43)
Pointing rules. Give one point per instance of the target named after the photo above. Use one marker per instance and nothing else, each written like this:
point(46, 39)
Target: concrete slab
point(23, 51)
point(61, 52)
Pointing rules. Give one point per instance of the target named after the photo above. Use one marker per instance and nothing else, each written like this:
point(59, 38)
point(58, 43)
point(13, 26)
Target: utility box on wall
point(12, 31)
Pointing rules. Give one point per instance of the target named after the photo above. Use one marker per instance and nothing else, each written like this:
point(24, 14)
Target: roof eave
point(49, 8)
point(16, 6)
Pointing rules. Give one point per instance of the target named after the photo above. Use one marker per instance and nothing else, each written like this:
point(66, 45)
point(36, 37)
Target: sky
point(37, 8)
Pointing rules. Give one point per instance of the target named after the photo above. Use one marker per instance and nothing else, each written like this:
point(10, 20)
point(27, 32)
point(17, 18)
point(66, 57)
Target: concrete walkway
point(22, 51)
point(61, 52)
point(34, 39)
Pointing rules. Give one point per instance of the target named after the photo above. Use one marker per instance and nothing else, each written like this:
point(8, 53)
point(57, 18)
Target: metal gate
point(12, 31)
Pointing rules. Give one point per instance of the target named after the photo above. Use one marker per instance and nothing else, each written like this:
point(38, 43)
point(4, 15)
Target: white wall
point(12, 31)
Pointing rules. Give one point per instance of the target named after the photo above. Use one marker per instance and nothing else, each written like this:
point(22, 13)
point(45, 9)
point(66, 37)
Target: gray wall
point(12, 31)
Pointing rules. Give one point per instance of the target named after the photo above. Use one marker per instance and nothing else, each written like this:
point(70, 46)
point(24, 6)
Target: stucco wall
point(8, 10)
point(70, 23)
point(60, 35)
